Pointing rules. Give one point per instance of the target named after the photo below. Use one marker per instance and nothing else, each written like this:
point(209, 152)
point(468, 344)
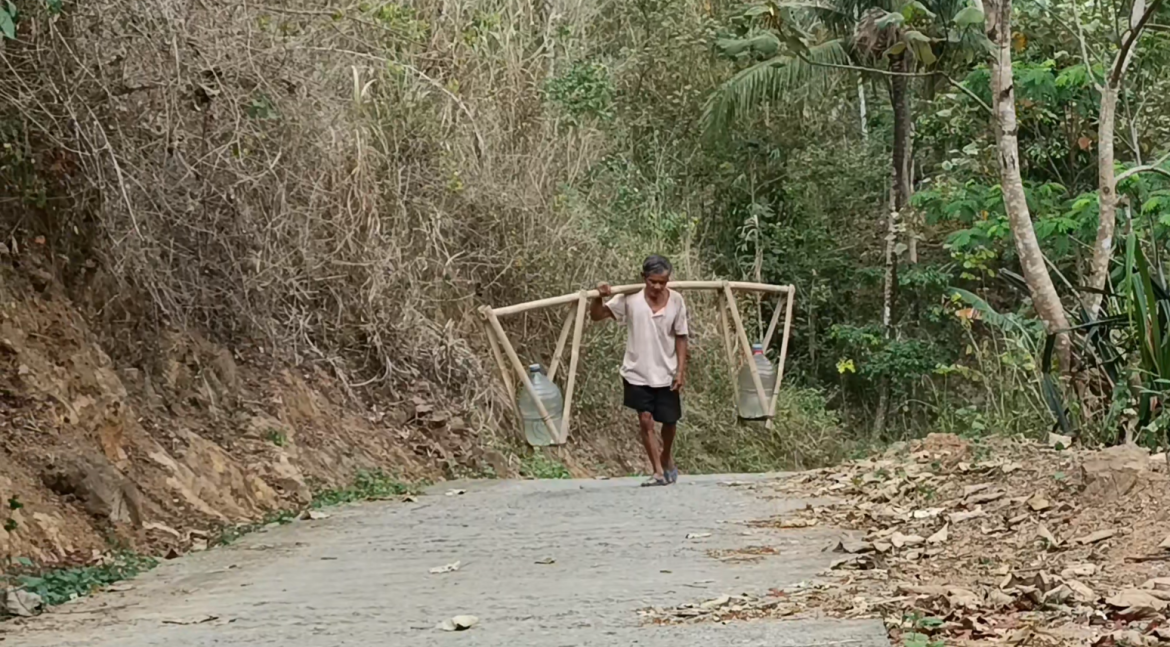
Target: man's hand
point(597, 309)
point(679, 381)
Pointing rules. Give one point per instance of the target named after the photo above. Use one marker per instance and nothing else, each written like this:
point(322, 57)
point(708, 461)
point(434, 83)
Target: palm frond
point(781, 78)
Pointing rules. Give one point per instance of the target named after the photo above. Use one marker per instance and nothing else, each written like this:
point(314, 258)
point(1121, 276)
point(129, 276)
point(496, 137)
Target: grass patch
point(541, 466)
point(230, 534)
point(58, 586)
point(368, 485)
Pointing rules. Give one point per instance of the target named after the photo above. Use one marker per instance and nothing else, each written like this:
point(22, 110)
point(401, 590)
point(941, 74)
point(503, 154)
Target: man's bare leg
point(667, 460)
point(650, 441)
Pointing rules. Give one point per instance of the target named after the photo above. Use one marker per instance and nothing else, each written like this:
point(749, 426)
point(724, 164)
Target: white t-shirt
point(650, 358)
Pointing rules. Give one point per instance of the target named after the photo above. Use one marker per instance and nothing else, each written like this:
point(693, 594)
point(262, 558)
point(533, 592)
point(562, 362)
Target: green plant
point(368, 485)
point(62, 585)
point(8, 18)
point(10, 525)
point(230, 534)
point(276, 438)
point(538, 465)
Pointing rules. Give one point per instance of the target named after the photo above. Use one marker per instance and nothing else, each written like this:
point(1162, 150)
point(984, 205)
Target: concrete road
point(361, 577)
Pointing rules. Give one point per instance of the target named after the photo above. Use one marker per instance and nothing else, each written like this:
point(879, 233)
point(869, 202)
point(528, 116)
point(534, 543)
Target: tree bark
point(899, 203)
point(1107, 201)
point(1140, 15)
point(1044, 297)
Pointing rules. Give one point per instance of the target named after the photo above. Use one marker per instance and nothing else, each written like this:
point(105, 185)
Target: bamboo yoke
point(505, 354)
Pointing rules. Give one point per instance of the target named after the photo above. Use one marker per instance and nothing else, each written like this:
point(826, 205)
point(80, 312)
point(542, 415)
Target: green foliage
point(539, 465)
point(583, 92)
point(368, 485)
point(231, 534)
point(62, 585)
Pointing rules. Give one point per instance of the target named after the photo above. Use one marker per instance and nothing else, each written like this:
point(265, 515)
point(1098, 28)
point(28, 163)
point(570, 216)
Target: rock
point(458, 623)
point(1165, 545)
point(964, 598)
point(939, 537)
point(997, 599)
point(103, 490)
point(20, 603)
point(1157, 584)
point(1114, 472)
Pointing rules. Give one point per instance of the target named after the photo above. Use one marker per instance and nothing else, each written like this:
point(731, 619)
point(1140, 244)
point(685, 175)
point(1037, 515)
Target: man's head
point(656, 272)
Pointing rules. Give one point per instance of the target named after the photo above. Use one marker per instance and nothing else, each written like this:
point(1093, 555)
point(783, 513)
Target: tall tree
point(1045, 300)
point(1109, 87)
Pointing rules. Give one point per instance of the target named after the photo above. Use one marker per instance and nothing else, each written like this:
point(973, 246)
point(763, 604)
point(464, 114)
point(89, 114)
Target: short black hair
point(656, 264)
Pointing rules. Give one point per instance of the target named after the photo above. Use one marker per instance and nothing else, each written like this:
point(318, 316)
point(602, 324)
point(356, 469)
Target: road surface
point(361, 577)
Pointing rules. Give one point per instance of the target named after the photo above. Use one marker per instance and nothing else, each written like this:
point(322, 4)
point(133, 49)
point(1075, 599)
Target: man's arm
point(597, 309)
point(681, 348)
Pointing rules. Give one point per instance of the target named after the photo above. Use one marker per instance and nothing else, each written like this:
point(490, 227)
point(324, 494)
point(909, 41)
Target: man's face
point(656, 284)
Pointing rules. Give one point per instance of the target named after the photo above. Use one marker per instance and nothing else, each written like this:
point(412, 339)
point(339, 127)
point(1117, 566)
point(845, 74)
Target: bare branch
point(1130, 39)
point(874, 70)
point(1156, 167)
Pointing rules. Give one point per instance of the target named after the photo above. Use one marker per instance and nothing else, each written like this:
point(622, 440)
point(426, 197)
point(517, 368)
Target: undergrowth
point(62, 585)
point(368, 485)
point(541, 466)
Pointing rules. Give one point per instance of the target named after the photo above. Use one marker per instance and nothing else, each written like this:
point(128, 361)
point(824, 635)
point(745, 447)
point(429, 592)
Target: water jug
point(750, 407)
point(534, 428)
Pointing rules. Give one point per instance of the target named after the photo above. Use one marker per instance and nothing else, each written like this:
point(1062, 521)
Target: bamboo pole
point(729, 346)
point(783, 357)
point(574, 355)
point(519, 367)
point(772, 324)
point(747, 347)
point(509, 385)
point(556, 358)
point(634, 287)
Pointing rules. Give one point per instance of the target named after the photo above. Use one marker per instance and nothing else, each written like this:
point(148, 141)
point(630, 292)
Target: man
point(655, 365)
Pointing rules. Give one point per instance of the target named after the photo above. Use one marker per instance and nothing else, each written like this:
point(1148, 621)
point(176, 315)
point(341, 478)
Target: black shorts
point(662, 403)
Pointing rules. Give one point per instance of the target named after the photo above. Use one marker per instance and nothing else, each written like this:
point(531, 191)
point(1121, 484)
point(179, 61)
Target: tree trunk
point(888, 281)
point(899, 203)
point(1140, 14)
point(1044, 297)
point(1107, 199)
point(861, 108)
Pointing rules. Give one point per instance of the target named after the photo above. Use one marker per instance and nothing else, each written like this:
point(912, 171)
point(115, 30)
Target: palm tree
point(801, 46)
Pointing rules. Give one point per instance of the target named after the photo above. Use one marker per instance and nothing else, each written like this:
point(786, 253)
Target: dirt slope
point(199, 436)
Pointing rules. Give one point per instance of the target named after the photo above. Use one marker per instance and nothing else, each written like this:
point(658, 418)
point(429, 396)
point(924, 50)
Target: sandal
point(653, 481)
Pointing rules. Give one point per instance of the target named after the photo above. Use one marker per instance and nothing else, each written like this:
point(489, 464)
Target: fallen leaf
point(314, 515)
point(1157, 584)
point(1081, 591)
point(546, 561)
point(984, 497)
point(1165, 545)
point(899, 540)
point(457, 493)
point(1100, 535)
point(1059, 442)
point(1130, 598)
point(928, 513)
point(698, 535)
point(957, 597)
point(458, 623)
point(882, 546)
point(449, 568)
point(716, 603)
point(973, 489)
point(939, 537)
point(797, 522)
point(1047, 536)
point(959, 517)
point(1038, 503)
point(997, 599)
point(1079, 570)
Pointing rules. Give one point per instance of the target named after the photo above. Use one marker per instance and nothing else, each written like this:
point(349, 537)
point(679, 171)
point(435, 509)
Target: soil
point(158, 453)
point(995, 542)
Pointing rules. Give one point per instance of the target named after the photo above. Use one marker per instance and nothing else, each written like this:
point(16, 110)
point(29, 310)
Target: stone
point(20, 603)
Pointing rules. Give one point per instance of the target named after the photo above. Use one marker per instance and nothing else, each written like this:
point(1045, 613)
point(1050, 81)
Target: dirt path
point(361, 576)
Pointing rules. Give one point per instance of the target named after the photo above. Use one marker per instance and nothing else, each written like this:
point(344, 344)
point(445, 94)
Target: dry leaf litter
point(955, 543)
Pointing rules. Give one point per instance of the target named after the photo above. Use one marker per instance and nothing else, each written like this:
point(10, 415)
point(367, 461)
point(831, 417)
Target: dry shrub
point(332, 181)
